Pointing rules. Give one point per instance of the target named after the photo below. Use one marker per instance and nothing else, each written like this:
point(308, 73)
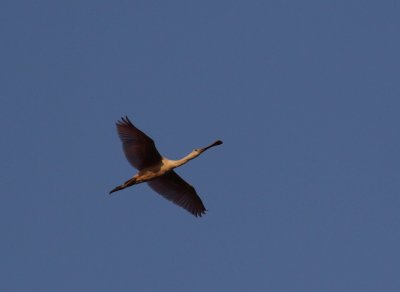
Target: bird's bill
point(216, 143)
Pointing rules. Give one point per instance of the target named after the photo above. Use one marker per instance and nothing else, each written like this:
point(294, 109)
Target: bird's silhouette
point(157, 170)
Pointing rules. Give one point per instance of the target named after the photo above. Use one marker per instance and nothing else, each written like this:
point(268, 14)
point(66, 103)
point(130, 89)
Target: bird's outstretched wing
point(174, 188)
point(139, 148)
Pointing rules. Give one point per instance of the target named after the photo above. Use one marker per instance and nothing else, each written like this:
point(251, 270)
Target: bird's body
point(154, 171)
point(157, 170)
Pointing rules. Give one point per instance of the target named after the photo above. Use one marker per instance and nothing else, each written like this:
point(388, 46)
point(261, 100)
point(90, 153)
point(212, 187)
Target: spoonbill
point(157, 170)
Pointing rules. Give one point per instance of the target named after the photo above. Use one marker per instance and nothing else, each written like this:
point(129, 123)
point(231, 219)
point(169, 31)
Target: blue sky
point(302, 196)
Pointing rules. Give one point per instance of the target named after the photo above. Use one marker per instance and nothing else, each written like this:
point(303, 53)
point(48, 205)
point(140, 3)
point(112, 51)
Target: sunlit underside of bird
point(157, 170)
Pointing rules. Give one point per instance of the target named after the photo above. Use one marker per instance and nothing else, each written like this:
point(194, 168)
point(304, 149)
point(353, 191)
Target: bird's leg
point(118, 188)
point(128, 183)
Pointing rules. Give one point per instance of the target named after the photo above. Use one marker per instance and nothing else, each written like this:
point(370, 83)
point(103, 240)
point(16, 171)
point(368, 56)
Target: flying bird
point(157, 170)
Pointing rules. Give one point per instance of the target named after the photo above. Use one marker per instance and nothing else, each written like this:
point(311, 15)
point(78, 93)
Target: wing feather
point(172, 187)
point(139, 148)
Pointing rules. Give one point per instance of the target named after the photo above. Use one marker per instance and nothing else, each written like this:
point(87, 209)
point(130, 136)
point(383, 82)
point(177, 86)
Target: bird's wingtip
point(200, 213)
point(124, 120)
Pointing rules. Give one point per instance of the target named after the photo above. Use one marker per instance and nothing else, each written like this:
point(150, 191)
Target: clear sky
point(304, 194)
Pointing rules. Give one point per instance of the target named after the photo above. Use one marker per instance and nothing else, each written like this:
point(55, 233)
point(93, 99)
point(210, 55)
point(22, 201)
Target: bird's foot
point(126, 184)
point(118, 188)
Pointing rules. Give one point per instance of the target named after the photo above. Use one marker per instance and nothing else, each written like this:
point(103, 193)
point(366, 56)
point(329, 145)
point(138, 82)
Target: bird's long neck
point(194, 154)
point(186, 159)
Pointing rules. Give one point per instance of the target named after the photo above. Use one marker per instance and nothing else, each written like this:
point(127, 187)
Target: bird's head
point(201, 150)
